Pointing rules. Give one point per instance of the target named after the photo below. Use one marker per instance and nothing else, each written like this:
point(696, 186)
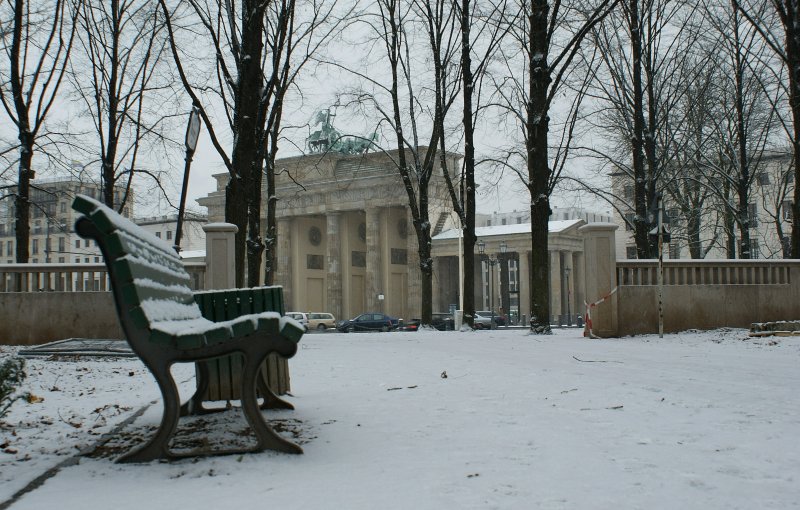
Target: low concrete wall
point(705, 306)
point(31, 318)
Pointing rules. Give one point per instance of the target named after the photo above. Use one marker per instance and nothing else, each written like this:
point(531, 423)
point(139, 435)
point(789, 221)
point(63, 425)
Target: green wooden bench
point(164, 325)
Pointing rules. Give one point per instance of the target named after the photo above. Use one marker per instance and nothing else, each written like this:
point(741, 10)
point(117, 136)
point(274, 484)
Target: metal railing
point(706, 272)
point(72, 277)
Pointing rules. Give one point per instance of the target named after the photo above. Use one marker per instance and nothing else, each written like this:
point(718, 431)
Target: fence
point(706, 294)
point(44, 302)
point(72, 277)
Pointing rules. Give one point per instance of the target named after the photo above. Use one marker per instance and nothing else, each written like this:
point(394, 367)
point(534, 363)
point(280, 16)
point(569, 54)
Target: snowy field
point(443, 420)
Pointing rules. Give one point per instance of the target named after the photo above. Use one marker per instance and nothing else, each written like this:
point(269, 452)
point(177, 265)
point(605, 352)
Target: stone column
point(555, 286)
point(283, 272)
point(578, 284)
point(568, 308)
point(414, 296)
point(525, 286)
point(373, 276)
point(334, 297)
point(220, 263)
point(600, 275)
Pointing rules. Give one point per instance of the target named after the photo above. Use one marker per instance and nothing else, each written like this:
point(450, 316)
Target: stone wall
point(29, 318)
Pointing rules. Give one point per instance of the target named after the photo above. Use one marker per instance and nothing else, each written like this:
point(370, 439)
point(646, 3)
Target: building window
point(752, 214)
point(61, 260)
point(629, 221)
point(673, 215)
point(37, 227)
point(503, 221)
point(169, 234)
point(35, 246)
point(755, 250)
point(77, 260)
point(513, 270)
point(630, 252)
point(158, 235)
point(762, 178)
point(77, 243)
point(674, 251)
point(62, 244)
point(86, 244)
point(2, 229)
point(786, 210)
point(10, 248)
point(628, 191)
point(86, 260)
point(97, 259)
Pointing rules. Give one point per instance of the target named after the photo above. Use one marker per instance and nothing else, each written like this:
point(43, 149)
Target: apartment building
point(52, 235)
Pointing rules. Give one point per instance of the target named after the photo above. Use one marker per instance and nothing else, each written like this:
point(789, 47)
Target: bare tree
point(778, 23)
point(413, 109)
point(549, 41)
point(41, 40)
point(292, 42)
point(114, 74)
point(235, 33)
point(482, 28)
point(744, 119)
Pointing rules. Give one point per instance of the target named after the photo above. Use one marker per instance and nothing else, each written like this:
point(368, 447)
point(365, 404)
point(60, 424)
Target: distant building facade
point(193, 237)
point(52, 231)
point(769, 214)
point(346, 243)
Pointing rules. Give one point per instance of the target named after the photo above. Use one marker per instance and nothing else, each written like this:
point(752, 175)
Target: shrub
point(12, 373)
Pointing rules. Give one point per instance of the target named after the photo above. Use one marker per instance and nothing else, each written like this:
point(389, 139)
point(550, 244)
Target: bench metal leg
point(158, 445)
point(267, 438)
point(271, 400)
point(194, 406)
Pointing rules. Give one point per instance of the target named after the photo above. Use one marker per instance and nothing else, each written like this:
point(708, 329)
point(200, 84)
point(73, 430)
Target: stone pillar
point(414, 296)
point(600, 275)
point(283, 273)
point(220, 263)
point(568, 308)
point(334, 276)
point(373, 273)
point(525, 286)
point(578, 284)
point(555, 286)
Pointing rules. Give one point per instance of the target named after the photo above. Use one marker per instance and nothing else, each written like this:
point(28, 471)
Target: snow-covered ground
point(441, 420)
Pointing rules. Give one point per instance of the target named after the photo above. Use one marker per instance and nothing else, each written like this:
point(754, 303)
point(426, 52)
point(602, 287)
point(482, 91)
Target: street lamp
point(192, 133)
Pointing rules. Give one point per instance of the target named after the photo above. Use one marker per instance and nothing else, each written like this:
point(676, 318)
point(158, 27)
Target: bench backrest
point(149, 275)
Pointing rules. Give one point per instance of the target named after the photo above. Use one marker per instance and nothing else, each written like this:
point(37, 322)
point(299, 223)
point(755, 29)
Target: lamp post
point(569, 312)
point(192, 133)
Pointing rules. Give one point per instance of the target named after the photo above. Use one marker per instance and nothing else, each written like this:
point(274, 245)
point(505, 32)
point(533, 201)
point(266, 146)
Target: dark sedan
point(369, 322)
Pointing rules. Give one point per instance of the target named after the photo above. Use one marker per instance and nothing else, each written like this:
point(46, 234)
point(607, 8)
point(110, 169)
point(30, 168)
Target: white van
point(300, 317)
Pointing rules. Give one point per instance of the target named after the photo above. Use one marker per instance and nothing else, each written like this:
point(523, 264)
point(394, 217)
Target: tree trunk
point(246, 158)
point(792, 28)
point(22, 203)
point(468, 188)
point(640, 223)
point(537, 127)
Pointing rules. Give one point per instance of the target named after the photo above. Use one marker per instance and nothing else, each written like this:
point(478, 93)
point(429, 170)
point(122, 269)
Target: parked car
point(369, 322)
point(300, 317)
point(440, 321)
point(482, 321)
point(499, 319)
point(443, 321)
point(321, 321)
